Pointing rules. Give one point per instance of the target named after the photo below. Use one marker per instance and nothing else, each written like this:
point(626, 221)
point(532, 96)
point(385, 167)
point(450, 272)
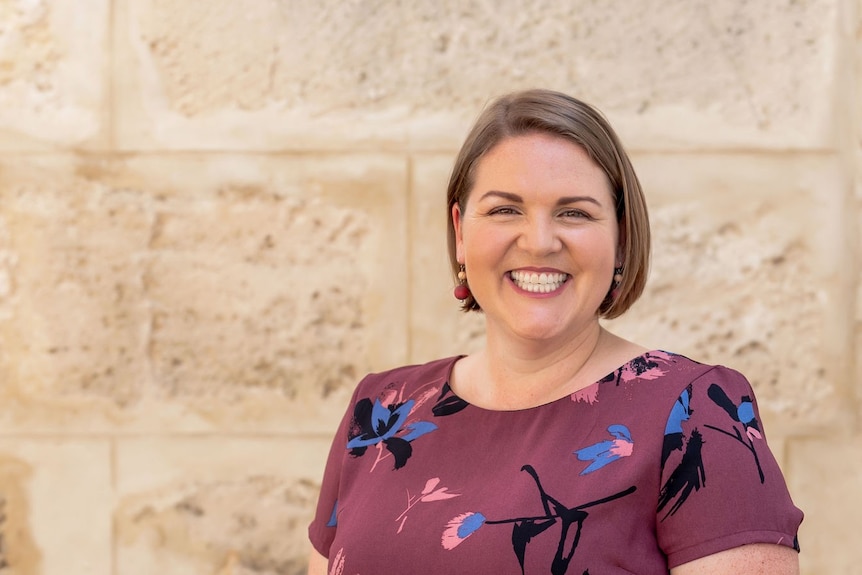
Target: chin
point(541, 332)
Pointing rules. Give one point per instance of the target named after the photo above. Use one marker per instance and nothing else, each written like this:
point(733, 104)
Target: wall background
point(216, 215)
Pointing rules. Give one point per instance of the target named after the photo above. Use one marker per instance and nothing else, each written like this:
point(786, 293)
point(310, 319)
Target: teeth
point(538, 283)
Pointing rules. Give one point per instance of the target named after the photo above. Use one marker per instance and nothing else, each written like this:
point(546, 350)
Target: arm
point(754, 559)
point(317, 563)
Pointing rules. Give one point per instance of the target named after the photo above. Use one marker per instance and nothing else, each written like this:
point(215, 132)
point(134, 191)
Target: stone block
point(198, 293)
point(778, 447)
point(437, 326)
point(856, 213)
point(250, 75)
point(47, 526)
point(53, 74)
point(73, 312)
point(276, 282)
point(858, 378)
point(225, 506)
point(749, 271)
point(824, 481)
point(855, 33)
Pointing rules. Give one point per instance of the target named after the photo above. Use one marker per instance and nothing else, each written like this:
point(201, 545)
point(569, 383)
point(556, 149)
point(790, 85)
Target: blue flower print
point(743, 413)
point(376, 424)
point(333, 519)
point(673, 431)
point(607, 451)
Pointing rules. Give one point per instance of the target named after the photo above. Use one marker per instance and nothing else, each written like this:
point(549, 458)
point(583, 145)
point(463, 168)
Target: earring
point(462, 292)
point(618, 276)
point(618, 279)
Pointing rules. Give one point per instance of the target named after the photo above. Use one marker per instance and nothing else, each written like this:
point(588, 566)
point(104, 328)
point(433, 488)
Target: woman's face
point(539, 237)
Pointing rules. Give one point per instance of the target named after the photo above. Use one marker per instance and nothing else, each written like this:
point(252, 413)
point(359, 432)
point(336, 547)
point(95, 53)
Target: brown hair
point(545, 111)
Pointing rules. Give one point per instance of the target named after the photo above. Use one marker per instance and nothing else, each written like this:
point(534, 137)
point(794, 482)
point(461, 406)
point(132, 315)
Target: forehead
point(540, 162)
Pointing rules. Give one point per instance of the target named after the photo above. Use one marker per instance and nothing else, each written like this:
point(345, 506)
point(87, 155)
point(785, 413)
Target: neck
point(517, 374)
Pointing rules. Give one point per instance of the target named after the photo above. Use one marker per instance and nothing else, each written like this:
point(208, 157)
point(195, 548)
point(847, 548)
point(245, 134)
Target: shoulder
point(670, 382)
point(679, 372)
point(657, 373)
point(407, 376)
point(712, 380)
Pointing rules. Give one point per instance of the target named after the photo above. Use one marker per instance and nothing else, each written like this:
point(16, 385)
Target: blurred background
point(217, 215)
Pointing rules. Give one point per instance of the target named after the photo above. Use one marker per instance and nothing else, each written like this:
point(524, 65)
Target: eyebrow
point(565, 200)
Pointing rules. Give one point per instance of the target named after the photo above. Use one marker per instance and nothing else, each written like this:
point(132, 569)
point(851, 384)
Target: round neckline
point(457, 358)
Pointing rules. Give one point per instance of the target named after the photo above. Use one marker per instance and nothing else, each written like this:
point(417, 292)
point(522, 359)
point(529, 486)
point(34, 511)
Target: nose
point(539, 237)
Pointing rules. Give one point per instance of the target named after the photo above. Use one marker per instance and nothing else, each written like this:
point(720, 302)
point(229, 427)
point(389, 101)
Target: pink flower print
point(588, 395)
point(644, 367)
point(428, 494)
point(621, 447)
point(337, 567)
point(647, 366)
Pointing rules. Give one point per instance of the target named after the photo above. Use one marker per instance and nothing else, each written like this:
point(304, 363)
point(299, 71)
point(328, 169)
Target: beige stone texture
point(216, 216)
point(824, 480)
point(856, 34)
point(53, 74)
point(272, 282)
point(72, 312)
point(56, 499)
point(197, 293)
point(856, 255)
point(225, 506)
point(223, 74)
point(18, 551)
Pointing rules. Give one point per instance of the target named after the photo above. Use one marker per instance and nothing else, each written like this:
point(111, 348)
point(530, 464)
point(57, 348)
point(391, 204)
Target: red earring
point(462, 292)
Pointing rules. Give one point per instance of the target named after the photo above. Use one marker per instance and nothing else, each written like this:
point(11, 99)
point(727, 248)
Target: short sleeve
point(720, 485)
point(321, 530)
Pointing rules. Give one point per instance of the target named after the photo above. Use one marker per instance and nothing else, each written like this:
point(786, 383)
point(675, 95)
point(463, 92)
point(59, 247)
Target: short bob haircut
point(548, 112)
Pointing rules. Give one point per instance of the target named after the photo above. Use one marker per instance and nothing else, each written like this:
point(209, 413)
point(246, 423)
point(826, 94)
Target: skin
point(757, 559)
point(317, 563)
point(540, 204)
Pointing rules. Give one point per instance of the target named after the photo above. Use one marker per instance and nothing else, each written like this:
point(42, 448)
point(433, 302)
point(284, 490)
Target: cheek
point(479, 240)
point(595, 249)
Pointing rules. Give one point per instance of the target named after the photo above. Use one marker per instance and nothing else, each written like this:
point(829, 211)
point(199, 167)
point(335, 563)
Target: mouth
point(536, 282)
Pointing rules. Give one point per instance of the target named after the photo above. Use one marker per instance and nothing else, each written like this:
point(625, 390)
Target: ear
point(459, 234)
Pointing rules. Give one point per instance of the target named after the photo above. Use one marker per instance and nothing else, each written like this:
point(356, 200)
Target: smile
point(538, 282)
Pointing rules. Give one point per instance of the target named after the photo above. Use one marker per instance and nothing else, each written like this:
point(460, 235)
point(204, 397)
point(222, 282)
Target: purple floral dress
point(661, 462)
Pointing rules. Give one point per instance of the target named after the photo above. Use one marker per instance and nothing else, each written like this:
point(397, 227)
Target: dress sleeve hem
point(712, 546)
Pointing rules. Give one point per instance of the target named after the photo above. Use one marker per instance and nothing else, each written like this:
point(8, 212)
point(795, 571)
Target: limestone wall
point(216, 215)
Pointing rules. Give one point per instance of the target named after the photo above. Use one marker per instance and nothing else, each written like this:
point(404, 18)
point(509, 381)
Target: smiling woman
point(558, 448)
point(539, 207)
point(566, 120)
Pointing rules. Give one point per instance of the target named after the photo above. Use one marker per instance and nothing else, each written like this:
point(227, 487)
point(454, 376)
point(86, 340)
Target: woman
point(559, 448)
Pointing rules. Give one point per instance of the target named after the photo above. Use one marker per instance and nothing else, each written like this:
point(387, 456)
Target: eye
point(575, 214)
point(502, 211)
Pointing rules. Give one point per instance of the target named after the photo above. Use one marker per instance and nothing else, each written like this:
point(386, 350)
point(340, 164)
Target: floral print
point(379, 425)
point(428, 494)
point(689, 475)
point(563, 488)
point(525, 529)
point(460, 528)
point(607, 451)
point(648, 366)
